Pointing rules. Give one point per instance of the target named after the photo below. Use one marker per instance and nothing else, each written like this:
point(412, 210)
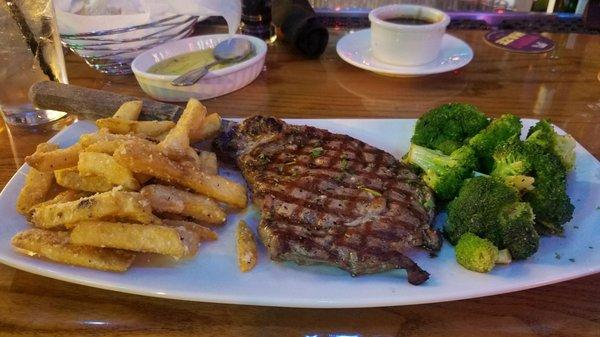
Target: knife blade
point(93, 103)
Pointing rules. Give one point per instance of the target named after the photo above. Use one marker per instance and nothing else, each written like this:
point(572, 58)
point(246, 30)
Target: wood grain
point(562, 85)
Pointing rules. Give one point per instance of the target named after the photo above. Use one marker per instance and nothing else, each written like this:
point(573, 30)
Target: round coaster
point(519, 42)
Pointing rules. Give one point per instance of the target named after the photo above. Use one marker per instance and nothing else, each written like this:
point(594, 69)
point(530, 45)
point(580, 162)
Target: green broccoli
point(549, 200)
point(512, 164)
point(444, 174)
point(530, 167)
point(499, 131)
point(448, 127)
point(475, 253)
point(477, 208)
point(563, 146)
point(518, 231)
point(511, 158)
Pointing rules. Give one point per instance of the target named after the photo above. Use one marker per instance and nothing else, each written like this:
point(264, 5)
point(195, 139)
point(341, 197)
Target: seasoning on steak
point(329, 198)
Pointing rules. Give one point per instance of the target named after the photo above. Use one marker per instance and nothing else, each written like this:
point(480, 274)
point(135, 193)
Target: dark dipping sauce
point(407, 20)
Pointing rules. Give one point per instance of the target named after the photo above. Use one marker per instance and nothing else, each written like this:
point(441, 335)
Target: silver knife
point(93, 104)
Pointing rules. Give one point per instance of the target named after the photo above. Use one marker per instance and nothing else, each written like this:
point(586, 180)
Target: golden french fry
point(64, 196)
point(203, 233)
point(149, 159)
point(129, 110)
point(104, 146)
point(177, 142)
point(105, 142)
point(211, 125)
point(37, 184)
point(57, 246)
point(139, 128)
point(54, 160)
point(204, 161)
point(172, 200)
point(72, 179)
point(99, 136)
point(246, 247)
point(157, 239)
point(45, 147)
point(112, 204)
point(104, 165)
point(207, 162)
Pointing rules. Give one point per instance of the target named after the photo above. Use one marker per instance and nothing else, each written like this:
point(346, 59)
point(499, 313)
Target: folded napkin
point(81, 16)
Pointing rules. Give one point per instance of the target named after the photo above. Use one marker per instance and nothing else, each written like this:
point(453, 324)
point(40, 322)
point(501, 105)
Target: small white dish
point(355, 48)
point(407, 44)
point(215, 83)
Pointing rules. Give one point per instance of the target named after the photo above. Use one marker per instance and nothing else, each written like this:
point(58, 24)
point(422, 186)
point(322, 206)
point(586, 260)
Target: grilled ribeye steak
point(330, 198)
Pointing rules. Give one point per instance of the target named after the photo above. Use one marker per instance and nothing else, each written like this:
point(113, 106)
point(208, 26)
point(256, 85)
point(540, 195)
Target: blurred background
point(528, 15)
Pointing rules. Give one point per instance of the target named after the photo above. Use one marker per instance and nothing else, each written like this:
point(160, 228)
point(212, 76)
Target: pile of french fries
point(131, 187)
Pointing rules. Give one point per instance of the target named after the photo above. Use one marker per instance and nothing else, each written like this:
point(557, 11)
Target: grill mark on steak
point(330, 198)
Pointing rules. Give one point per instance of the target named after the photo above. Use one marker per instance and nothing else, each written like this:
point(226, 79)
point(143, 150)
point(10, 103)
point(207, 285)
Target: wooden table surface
point(562, 85)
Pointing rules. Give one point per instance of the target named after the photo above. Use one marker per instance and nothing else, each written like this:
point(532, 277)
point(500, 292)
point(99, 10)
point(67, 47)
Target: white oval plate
point(213, 276)
point(355, 48)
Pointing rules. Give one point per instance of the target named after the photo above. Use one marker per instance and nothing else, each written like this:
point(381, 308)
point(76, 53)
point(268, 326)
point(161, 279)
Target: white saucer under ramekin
point(215, 83)
point(355, 48)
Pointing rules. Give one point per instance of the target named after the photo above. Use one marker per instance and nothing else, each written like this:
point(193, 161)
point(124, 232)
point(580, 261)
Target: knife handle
point(93, 103)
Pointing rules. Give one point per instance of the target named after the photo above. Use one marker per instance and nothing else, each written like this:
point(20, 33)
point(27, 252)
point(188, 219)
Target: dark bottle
point(591, 14)
point(298, 25)
point(256, 19)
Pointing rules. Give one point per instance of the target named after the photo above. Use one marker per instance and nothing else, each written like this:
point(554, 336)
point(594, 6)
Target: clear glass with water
point(30, 52)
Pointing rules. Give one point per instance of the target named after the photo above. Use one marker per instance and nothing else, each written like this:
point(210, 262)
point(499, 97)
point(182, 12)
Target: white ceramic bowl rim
point(260, 48)
point(374, 17)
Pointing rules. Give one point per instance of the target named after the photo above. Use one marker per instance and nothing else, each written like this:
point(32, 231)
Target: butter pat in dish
point(219, 81)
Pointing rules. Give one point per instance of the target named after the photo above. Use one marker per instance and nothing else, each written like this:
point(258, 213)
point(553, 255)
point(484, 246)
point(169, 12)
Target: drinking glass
point(30, 52)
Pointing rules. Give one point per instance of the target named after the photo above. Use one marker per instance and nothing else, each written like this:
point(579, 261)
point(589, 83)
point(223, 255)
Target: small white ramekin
point(215, 83)
point(407, 45)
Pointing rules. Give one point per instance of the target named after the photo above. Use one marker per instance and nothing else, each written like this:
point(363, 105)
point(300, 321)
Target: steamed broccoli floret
point(448, 127)
point(444, 174)
point(477, 208)
point(563, 146)
point(475, 253)
point(499, 131)
point(512, 164)
point(520, 183)
point(530, 167)
point(510, 159)
point(553, 208)
point(549, 200)
point(518, 231)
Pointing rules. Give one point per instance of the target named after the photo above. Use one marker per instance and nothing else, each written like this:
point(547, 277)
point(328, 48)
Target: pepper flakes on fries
point(37, 184)
point(99, 221)
point(71, 179)
point(149, 159)
point(139, 128)
point(173, 200)
point(57, 246)
point(105, 166)
point(112, 204)
point(48, 161)
point(135, 237)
